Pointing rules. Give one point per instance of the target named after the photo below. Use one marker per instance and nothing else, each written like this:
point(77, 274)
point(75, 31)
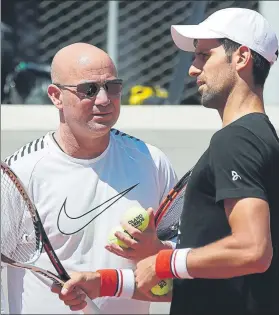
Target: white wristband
point(126, 283)
point(179, 263)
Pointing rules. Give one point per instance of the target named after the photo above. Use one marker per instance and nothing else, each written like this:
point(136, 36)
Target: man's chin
point(208, 101)
point(100, 128)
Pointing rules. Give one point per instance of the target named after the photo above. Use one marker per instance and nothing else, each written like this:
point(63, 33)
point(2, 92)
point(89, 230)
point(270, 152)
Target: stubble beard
point(212, 99)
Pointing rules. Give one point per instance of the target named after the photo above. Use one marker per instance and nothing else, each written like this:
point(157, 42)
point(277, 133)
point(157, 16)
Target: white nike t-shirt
point(79, 202)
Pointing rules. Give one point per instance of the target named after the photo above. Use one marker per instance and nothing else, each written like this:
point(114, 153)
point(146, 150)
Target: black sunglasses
point(91, 89)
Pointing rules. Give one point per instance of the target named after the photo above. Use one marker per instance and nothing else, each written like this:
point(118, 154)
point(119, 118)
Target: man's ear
point(243, 58)
point(54, 93)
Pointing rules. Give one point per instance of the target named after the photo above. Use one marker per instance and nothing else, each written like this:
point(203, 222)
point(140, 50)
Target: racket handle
point(91, 307)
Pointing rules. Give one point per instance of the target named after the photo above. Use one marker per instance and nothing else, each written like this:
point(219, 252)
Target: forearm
point(230, 257)
point(225, 258)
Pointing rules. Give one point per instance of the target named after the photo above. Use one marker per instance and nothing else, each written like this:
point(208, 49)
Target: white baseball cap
point(243, 26)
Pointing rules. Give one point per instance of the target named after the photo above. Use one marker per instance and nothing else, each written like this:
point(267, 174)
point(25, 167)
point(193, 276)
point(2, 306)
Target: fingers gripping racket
point(168, 215)
point(22, 234)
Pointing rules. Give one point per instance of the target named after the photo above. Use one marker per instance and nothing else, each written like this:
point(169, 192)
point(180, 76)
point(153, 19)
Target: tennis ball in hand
point(163, 287)
point(112, 239)
point(137, 217)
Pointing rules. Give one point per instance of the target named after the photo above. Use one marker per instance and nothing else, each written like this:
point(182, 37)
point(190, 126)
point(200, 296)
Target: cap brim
point(184, 35)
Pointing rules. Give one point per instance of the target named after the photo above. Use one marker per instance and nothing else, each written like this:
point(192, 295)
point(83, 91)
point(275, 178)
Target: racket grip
point(91, 307)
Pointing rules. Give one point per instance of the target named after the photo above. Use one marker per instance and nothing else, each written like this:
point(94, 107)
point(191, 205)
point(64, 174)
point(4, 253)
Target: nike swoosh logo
point(105, 204)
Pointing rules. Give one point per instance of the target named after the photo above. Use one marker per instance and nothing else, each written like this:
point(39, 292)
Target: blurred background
point(136, 34)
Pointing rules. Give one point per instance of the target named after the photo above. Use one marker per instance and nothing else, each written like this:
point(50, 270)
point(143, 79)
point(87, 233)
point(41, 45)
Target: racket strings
point(167, 227)
point(19, 240)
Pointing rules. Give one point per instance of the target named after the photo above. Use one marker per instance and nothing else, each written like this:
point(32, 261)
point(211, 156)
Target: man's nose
point(194, 71)
point(102, 97)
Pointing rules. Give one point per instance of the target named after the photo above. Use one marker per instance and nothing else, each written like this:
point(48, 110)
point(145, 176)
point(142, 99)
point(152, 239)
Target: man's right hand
point(74, 290)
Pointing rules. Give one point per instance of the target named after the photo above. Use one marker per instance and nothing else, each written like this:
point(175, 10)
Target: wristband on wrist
point(117, 282)
point(172, 264)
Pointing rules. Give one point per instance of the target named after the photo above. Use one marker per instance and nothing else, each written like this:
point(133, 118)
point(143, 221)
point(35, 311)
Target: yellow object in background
point(140, 93)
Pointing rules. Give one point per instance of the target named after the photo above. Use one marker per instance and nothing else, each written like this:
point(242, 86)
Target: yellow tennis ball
point(163, 287)
point(112, 239)
point(137, 217)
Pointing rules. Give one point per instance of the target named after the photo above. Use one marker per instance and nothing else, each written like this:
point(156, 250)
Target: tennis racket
point(168, 214)
point(22, 234)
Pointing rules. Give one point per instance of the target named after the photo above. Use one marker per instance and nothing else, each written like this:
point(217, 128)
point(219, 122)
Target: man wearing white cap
point(227, 256)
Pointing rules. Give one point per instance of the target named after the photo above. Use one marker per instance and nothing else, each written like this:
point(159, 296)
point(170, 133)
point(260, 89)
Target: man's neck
point(240, 103)
point(89, 148)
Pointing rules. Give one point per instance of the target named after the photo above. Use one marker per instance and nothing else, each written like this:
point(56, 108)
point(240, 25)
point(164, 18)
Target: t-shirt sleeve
point(238, 161)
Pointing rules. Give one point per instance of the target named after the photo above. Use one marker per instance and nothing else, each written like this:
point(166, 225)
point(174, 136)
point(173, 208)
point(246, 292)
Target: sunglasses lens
point(113, 88)
point(92, 89)
point(89, 89)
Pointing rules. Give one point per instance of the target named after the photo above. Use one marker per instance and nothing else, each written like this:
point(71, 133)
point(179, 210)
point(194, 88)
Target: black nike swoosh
point(114, 198)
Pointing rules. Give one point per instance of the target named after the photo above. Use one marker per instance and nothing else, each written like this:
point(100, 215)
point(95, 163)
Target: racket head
point(20, 235)
point(22, 223)
point(168, 214)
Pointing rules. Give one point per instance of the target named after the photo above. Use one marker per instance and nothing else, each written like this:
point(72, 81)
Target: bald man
point(83, 169)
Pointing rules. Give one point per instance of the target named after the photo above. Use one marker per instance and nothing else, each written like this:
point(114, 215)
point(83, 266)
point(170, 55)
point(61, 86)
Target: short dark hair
point(261, 66)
